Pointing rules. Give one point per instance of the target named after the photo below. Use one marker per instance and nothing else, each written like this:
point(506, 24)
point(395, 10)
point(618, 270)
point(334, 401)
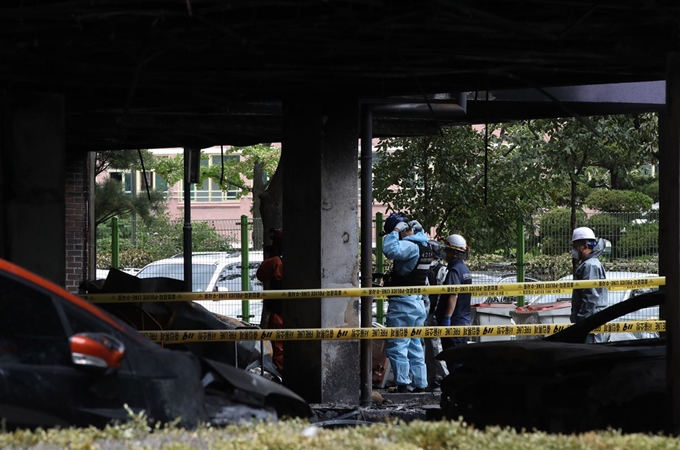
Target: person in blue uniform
point(412, 256)
point(454, 309)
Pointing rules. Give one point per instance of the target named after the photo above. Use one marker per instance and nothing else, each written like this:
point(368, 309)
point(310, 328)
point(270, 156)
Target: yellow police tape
point(309, 334)
point(477, 290)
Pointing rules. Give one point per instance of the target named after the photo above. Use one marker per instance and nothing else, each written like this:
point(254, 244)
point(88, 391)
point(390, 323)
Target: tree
point(254, 163)
point(555, 226)
point(480, 185)
point(110, 197)
point(122, 159)
point(640, 239)
point(626, 143)
point(158, 239)
point(619, 201)
point(601, 152)
point(111, 201)
point(454, 182)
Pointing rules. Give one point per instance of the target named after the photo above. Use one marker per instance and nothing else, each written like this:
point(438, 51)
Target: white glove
point(401, 226)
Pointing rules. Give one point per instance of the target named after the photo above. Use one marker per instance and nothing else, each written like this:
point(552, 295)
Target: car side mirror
point(97, 350)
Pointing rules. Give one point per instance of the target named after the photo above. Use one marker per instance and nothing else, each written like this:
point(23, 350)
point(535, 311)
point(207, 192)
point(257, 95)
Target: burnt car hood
point(560, 384)
point(523, 356)
point(561, 348)
point(285, 401)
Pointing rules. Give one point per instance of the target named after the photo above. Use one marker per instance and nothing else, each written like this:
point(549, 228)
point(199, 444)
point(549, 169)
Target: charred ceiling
point(157, 72)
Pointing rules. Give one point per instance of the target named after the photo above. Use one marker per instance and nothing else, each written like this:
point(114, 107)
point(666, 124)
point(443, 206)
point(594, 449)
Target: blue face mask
point(575, 254)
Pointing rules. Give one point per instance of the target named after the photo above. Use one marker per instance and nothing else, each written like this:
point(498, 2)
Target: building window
point(125, 179)
point(209, 191)
point(155, 181)
point(232, 192)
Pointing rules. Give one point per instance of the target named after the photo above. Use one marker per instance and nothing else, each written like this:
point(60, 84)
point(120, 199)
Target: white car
point(214, 272)
point(614, 297)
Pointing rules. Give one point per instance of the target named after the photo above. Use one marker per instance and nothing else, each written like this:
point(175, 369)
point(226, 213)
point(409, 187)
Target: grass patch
point(297, 434)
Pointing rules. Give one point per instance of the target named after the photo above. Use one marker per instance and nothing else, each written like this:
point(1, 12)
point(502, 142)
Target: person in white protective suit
point(412, 256)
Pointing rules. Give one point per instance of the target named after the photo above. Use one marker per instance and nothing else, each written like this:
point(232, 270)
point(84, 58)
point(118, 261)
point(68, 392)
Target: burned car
point(188, 315)
point(559, 383)
point(65, 362)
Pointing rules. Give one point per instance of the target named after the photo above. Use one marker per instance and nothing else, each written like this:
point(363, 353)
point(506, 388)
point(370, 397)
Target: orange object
point(276, 322)
point(270, 269)
point(98, 346)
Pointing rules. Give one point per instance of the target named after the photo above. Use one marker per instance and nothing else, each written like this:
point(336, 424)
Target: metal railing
point(632, 251)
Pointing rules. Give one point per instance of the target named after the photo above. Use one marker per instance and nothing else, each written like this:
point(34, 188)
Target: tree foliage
point(585, 154)
point(619, 201)
point(230, 174)
point(459, 181)
point(123, 159)
point(639, 239)
point(456, 183)
point(159, 238)
point(110, 197)
point(111, 201)
point(256, 163)
point(555, 225)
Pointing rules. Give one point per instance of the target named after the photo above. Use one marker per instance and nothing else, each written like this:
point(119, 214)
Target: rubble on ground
point(385, 407)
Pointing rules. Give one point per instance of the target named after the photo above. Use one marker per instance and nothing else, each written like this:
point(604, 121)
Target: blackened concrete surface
point(386, 406)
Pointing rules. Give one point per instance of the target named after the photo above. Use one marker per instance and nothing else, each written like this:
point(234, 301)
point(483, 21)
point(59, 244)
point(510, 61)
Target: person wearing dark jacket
point(454, 309)
point(586, 249)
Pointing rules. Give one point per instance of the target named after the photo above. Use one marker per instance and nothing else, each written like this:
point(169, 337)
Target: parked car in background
point(65, 362)
point(101, 274)
point(501, 279)
point(214, 272)
point(613, 297)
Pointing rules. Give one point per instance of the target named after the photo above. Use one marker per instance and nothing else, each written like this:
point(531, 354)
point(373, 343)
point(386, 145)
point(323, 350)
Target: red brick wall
point(77, 195)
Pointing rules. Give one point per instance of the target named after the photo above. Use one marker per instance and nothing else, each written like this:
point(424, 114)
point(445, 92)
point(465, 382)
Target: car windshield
point(201, 274)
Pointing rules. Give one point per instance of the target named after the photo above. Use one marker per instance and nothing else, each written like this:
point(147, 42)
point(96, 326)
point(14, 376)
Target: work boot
point(432, 387)
point(402, 388)
point(417, 390)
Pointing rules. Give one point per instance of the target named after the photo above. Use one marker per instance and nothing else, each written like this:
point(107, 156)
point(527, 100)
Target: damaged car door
point(49, 377)
point(65, 362)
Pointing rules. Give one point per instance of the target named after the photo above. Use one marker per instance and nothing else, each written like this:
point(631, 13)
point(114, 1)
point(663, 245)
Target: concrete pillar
point(669, 231)
point(33, 184)
point(321, 248)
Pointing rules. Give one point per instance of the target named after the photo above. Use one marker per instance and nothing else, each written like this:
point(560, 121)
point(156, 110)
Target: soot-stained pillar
point(33, 183)
point(321, 248)
point(669, 232)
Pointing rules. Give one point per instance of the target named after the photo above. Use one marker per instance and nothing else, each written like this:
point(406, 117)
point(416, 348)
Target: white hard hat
point(583, 234)
point(456, 242)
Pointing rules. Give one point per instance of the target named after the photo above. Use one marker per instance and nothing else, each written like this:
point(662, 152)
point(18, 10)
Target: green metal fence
point(632, 250)
point(630, 236)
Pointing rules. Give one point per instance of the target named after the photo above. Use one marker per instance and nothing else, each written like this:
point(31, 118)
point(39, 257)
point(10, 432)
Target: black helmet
point(437, 248)
point(393, 220)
